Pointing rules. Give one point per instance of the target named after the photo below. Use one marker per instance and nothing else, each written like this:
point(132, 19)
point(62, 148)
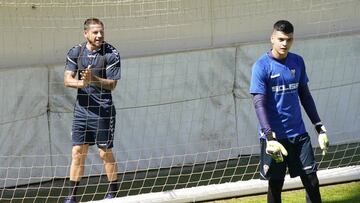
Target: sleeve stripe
point(71, 61)
point(113, 64)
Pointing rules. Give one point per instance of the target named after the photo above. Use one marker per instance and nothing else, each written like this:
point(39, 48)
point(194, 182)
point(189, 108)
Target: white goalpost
point(186, 130)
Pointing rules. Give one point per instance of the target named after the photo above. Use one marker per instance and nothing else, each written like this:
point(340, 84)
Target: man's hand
point(274, 148)
point(86, 75)
point(70, 81)
point(322, 138)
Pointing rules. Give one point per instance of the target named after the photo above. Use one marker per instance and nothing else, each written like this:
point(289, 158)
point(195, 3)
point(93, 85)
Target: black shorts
point(99, 131)
point(300, 159)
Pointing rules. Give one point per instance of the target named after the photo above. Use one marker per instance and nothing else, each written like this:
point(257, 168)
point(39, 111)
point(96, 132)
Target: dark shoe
point(110, 196)
point(70, 200)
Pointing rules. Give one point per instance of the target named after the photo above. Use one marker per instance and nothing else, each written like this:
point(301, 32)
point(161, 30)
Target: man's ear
point(85, 33)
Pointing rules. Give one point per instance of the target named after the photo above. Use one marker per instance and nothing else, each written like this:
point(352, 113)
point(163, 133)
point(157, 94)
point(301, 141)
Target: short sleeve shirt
point(93, 101)
point(279, 82)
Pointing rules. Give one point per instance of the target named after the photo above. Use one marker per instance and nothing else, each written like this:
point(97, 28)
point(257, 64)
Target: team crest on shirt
point(292, 72)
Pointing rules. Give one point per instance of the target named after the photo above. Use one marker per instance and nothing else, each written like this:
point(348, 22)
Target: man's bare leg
point(110, 167)
point(79, 153)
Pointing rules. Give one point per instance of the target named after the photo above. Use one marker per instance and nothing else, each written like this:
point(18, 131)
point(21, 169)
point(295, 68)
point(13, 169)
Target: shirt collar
point(282, 61)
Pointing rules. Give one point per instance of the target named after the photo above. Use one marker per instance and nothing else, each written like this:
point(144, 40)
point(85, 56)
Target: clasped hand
point(86, 75)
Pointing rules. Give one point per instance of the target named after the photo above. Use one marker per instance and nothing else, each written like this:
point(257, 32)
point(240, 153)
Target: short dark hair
point(92, 21)
point(284, 26)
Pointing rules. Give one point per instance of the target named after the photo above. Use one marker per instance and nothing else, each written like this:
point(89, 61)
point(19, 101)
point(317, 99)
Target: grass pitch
point(339, 193)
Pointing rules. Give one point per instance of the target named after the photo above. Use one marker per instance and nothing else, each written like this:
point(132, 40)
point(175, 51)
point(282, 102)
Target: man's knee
point(314, 179)
point(106, 155)
point(78, 154)
point(310, 179)
point(276, 183)
point(311, 184)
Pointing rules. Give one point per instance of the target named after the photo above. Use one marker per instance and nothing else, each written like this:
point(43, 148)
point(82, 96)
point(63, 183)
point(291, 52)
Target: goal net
point(186, 129)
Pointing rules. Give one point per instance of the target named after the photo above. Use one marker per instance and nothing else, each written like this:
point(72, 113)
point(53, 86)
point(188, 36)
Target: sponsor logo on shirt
point(284, 88)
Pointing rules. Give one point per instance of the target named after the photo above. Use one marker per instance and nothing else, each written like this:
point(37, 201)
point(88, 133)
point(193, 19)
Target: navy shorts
point(300, 159)
point(99, 131)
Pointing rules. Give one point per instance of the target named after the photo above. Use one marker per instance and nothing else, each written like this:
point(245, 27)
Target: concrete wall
point(174, 108)
point(41, 32)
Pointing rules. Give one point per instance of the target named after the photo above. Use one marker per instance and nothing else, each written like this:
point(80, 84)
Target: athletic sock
point(73, 188)
point(113, 187)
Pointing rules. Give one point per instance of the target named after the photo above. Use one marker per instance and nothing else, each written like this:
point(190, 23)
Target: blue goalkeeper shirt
point(93, 101)
point(279, 82)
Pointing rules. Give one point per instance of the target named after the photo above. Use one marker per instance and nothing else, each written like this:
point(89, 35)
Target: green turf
point(339, 193)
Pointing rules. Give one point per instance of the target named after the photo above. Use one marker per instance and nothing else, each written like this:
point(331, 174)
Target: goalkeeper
point(279, 85)
point(97, 65)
